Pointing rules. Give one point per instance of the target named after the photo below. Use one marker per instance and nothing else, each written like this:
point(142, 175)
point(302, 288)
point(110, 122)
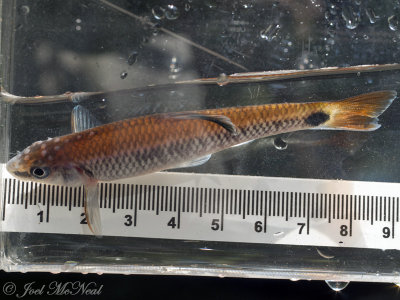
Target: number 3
point(128, 221)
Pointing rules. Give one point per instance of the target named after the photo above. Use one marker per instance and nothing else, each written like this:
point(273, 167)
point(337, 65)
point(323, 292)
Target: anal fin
point(92, 209)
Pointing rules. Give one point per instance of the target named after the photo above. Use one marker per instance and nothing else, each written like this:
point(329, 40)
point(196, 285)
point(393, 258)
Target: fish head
point(43, 162)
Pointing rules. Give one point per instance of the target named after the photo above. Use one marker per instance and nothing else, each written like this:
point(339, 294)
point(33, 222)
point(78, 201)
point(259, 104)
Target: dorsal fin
point(221, 120)
point(82, 119)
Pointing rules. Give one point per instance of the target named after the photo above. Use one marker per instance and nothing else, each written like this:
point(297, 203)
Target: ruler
point(241, 209)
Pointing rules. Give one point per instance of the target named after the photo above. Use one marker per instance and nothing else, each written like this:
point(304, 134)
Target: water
point(111, 50)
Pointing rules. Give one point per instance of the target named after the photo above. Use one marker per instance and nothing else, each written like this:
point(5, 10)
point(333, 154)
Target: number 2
point(83, 221)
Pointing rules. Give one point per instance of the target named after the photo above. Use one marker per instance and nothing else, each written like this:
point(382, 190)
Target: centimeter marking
point(333, 213)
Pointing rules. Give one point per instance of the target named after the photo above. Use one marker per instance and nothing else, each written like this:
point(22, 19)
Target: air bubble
point(351, 18)
point(206, 249)
point(280, 144)
point(187, 7)
point(69, 265)
point(371, 15)
point(124, 74)
point(333, 9)
point(24, 10)
point(315, 3)
point(210, 3)
point(174, 66)
point(325, 255)
point(270, 33)
point(337, 286)
point(172, 12)
point(222, 79)
point(247, 5)
point(328, 16)
point(393, 23)
point(158, 12)
point(132, 58)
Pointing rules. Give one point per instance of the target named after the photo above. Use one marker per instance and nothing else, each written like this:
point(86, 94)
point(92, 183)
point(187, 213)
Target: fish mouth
point(23, 175)
point(13, 167)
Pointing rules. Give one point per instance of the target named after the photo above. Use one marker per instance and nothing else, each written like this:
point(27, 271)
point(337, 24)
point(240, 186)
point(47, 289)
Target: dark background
point(182, 287)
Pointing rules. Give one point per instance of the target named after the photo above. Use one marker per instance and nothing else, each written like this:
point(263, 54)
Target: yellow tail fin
point(358, 113)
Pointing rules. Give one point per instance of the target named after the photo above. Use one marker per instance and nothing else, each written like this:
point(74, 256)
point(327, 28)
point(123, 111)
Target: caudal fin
point(358, 113)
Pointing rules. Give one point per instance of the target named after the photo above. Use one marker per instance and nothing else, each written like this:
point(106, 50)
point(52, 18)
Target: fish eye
point(40, 172)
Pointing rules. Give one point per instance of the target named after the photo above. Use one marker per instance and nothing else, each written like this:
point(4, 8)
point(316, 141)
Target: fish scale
point(152, 143)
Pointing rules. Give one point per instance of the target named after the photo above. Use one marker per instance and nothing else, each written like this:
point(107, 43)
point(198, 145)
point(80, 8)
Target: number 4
point(172, 223)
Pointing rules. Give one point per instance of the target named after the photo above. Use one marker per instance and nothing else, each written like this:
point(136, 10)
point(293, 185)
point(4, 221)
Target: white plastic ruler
point(227, 208)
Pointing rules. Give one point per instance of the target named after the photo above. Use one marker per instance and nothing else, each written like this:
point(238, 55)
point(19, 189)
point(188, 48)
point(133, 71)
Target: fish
point(157, 142)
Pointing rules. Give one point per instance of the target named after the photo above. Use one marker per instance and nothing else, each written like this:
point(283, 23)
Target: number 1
point(40, 214)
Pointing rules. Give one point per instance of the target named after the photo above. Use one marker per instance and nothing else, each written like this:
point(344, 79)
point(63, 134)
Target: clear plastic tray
point(50, 48)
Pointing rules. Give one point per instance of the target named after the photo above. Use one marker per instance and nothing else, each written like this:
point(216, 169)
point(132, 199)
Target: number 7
point(301, 227)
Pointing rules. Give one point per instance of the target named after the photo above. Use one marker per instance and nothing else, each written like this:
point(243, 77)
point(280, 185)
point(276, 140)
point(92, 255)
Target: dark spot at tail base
point(317, 118)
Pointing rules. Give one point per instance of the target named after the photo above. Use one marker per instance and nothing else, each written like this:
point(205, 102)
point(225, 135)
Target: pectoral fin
point(242, 144)
point(92, 209)
point(194, 163)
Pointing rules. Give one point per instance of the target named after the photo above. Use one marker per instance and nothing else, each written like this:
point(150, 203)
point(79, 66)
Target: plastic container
point(50, 48)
